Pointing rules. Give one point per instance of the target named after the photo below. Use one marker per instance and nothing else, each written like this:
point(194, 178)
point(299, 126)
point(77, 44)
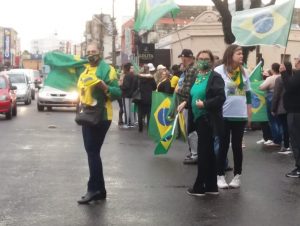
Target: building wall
point(13, 47)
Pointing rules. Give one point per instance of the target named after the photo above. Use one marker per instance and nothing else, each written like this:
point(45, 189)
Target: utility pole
point(114, 31)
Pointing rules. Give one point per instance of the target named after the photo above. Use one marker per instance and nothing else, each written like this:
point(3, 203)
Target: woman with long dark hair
point(236, 112)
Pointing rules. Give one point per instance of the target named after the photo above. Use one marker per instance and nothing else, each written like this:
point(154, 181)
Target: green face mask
point(93, 58)
point(203, 65)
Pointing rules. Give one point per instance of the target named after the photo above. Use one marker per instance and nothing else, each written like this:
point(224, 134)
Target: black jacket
point(129, 85)
point(165, 87)
point(291, 97)
point(147, 85)
point(215, 98)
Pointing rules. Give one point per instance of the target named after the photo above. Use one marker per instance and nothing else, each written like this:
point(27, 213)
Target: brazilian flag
point(259, 109)
point(263, 26)
point(65, 70)
point(159, 122)
point(150, 11)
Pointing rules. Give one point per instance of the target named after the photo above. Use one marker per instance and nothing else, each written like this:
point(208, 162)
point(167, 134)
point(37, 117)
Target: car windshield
point(17, 78)
point(2, 83)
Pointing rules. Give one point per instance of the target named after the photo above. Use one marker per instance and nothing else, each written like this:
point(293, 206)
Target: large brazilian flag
point(263, 26)
point(162, 128)
point(65, 70)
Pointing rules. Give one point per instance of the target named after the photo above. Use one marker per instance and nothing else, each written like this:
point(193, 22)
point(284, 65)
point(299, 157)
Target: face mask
point(93, 58)
point(203, 65)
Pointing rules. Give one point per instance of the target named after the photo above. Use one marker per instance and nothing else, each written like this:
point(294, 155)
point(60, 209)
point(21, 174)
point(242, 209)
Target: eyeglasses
point(206, 59)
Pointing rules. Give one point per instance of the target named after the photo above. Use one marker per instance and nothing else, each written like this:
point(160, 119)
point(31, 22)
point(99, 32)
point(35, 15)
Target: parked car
point(21, 81)
point(8, 99)
point(50, 97)
point(34, 76)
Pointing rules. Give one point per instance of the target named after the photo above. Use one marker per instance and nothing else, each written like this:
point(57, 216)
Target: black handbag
point(136, 95)
point(88, 116)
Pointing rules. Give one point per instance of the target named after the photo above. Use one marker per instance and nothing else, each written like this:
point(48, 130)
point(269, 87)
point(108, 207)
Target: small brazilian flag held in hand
point(263, 26)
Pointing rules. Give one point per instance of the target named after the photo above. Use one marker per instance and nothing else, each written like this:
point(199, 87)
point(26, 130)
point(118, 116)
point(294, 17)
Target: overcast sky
point(34, 19)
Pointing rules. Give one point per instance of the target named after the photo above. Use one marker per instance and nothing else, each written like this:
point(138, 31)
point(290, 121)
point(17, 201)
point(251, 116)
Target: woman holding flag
point(236, 112)
point(205, 108)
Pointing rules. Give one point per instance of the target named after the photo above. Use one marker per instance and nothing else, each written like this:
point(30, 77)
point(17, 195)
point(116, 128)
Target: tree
point(226, 17)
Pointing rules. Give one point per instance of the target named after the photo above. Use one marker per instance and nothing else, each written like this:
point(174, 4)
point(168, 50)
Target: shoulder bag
point(88, 115)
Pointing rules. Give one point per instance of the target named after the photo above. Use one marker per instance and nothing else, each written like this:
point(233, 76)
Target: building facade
point(100, 30)
point(9, 48)
point(44, 45)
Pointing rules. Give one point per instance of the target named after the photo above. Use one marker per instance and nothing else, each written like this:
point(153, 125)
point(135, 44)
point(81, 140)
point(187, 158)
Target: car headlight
point(43, 94)
point(3, 97)
point(73, 95)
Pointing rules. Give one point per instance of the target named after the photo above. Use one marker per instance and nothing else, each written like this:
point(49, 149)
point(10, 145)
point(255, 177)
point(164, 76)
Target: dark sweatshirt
point(291, 98)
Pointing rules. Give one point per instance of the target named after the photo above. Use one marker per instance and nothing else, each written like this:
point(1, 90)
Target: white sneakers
point(222, 182)
point(260, 141)
point(235, 183)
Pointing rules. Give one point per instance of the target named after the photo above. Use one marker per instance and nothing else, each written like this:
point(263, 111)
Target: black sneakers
point(294, 173)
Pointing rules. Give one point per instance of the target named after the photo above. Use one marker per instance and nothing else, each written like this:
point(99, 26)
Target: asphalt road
point(43, 171)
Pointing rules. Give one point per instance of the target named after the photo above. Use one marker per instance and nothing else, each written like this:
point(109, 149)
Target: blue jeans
point(93, 137)
point(274, 121)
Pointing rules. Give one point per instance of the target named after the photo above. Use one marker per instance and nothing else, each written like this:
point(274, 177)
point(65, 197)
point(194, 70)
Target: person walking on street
point(99, 95)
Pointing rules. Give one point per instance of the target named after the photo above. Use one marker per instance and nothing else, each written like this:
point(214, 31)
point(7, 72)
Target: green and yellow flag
point(256, 74)
point(65, 70)
point(159, 121)
point(263, 26)
point(259, 109)
point(167, 139)
point(151, 11)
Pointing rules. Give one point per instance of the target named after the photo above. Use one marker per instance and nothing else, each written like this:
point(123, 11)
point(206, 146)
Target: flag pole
point(284, 53)
point(177, 31)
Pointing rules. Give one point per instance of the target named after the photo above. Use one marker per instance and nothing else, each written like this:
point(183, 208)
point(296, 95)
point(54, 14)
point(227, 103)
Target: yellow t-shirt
point(174, 81)
point(86, 84)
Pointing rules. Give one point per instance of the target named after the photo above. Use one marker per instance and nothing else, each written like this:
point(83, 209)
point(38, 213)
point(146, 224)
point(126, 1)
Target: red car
point(8, 98)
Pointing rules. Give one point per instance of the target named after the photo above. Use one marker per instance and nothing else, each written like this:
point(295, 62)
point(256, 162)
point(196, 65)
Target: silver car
point(50, 97)
point(21, 81)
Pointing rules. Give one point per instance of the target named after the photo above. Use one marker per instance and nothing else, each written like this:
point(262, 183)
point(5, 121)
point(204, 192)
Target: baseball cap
point(160, 66)
point(186, 53)
point(151, 67)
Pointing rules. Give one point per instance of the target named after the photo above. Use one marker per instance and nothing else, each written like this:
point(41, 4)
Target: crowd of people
point(229, 114)
point(215, 98)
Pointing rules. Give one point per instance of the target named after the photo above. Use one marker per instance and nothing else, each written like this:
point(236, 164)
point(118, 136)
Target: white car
point(50, 97)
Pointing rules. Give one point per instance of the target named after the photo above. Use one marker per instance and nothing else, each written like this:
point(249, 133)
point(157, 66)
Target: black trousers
point(207, 174)
point(93, 137)
point(294, 130)
point(143, 110)
point(285, 130)
point(235, 131)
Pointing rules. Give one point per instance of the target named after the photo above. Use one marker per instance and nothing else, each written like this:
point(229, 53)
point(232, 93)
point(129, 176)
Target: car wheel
point(8, 115)
point(40, 108)
point(15, 111)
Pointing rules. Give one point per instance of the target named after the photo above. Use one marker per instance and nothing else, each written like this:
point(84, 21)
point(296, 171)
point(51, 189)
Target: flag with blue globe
point(263, 26)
